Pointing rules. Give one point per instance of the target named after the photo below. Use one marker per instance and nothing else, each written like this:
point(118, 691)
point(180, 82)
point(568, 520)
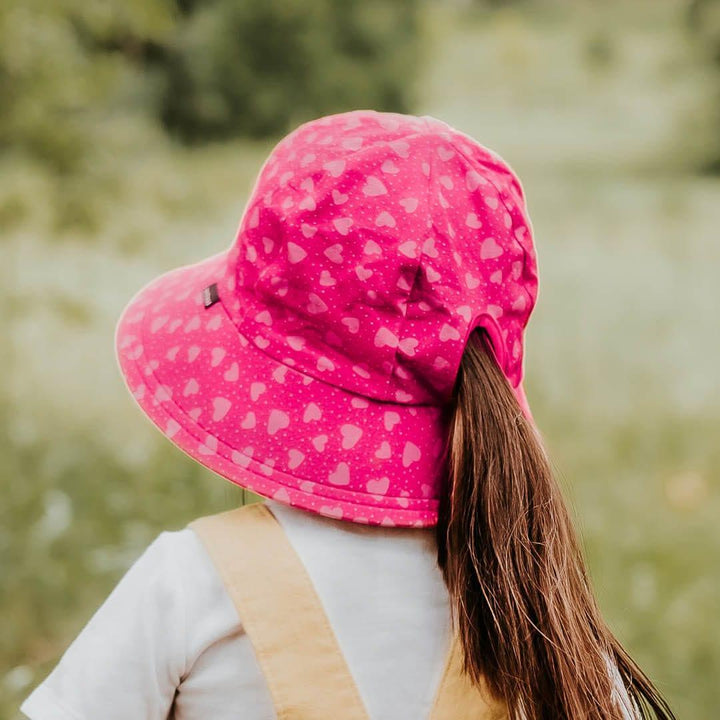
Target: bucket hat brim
point(264, 425)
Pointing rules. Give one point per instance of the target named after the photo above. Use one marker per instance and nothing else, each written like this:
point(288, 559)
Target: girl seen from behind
point(356, 359)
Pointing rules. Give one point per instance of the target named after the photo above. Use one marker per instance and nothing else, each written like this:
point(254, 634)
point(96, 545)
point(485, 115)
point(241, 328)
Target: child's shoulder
point(170, 553)
point(173, 541)
point(181, 554)
point(177, 572)
point(174, 568)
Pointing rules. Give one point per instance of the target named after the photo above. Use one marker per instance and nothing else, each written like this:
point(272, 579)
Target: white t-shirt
point(168, 638)
point(168, 643)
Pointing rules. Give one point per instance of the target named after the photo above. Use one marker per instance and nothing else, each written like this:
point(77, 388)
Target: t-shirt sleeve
point(129, 658)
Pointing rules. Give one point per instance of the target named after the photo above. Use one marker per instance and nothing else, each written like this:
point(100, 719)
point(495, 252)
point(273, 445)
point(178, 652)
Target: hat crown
point(371, 246)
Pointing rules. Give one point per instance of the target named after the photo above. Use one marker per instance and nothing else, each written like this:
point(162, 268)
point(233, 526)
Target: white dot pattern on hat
point(371, 246)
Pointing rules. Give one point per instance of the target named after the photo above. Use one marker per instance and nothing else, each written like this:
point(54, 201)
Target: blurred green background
point(130, 135)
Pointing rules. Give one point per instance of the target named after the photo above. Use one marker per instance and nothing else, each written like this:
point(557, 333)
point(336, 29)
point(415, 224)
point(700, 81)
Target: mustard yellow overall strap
point(282, 615)
point(295, 646)
point(458, 699)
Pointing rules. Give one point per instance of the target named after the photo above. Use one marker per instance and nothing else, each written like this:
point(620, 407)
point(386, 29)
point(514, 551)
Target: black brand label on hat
point(210, 295)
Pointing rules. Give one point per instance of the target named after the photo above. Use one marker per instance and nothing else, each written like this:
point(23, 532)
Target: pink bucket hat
point(311, 361)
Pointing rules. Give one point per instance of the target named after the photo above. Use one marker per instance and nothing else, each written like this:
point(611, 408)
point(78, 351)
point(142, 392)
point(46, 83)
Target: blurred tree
point(704, 17)
point(59, 75)
point(206, 68)
point(244, 67)
point(704, 20)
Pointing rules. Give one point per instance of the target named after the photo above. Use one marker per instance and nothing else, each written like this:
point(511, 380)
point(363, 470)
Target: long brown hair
point(520, 595)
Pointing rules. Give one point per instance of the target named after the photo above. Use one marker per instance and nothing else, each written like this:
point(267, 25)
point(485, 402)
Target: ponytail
point(520, 596)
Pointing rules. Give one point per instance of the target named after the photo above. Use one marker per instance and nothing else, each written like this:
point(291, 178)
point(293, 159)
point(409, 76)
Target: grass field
point(601, 114)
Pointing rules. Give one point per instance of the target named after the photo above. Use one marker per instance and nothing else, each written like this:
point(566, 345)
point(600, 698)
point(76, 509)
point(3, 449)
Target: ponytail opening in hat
point(520, 594)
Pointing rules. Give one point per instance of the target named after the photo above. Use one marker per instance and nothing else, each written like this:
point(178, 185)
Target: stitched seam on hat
point(189, 428)
point(418, 272)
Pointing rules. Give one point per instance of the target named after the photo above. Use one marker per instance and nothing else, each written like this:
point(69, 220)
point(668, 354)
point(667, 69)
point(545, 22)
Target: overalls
point(294, 644)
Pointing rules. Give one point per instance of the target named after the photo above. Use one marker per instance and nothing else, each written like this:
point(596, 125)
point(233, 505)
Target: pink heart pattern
point(372, 244)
